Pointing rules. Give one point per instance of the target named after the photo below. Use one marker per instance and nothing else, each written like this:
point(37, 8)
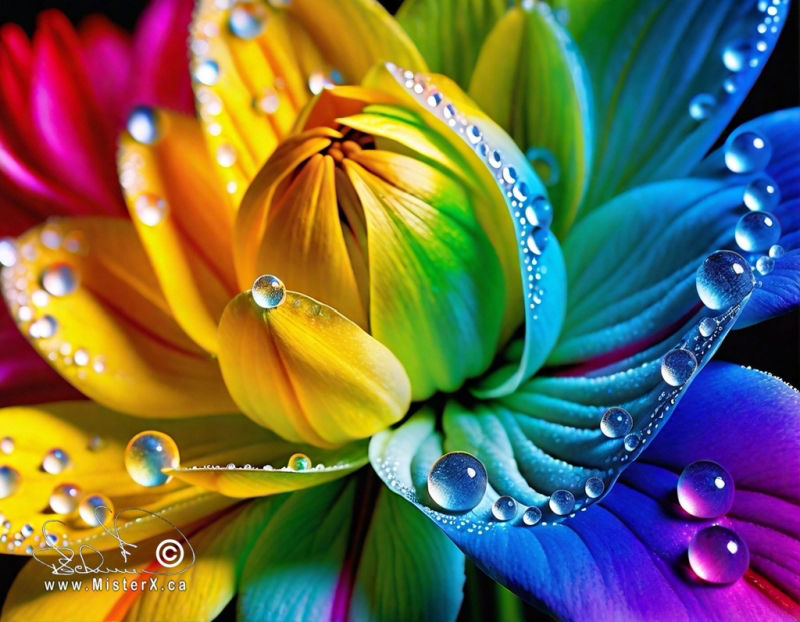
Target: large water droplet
point(55, 461)
point(9, 481)
point(64, 498)
point(723, 280)
point(247, 19)
point(738, 54)
point(504, 509)
point(701, 106)
point(457, 481)
point(95, 509)
point(207, 72)
point(143, 125)
point(537, 240)
point(268, 291)
point(150, 209)
point(616, 422)
point(677, 366)
point(59, 279)
point(757, 231)
point(299, 462)
point(762, 194)
point(531, 516)
point(718, 555)
point(705, 489)
point(594, 487)
point(765, 265)
point(147, 454)
point(540, 213)
point(561, 502)
point(8, 253)
point(746, 152)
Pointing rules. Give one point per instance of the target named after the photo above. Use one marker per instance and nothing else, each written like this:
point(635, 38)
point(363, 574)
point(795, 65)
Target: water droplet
point(495, 159)
point(7, 445)
point(705, 489)
point(147, 454)
point(594, 487)
point(765, 265)
point(207, 72)
point(531, 516)
point(762, 194)
point(718, 555)
point(96, 443)
point(268, 102)
point(64, 498)
point(701, 106)
point(616, 422)
point(8, 253)
point(504, 509)
point(707, 326)
point(268, 291)
point(43, 328)
point(738, 54)
point(9, 482)
point(540, 213)
point(95, 509)
point(632, 441)
point(723, 280)
point(776, 251)
point(226, 156)
point(26, 531)
point(746, 152)
point(474, 134)
point(545, 164)
point(299, 462)
point(247, 19)
point(59, 279)
point(150, 209)
point(55, 461)
point(457, 481)
point(317, 81)
point(757, 231)
point(561, 502)
point(434, 99)
point(677, 366)
point(537, 239)
point(143, 125)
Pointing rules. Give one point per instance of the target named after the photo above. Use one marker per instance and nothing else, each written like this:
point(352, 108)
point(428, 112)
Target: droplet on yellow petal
point(184, 219)
point(92, 308)
point(308, 373)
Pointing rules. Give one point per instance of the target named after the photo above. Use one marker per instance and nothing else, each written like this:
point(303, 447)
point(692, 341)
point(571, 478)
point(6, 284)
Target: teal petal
point(449, 33)
point(649, 63)
point(350, 550)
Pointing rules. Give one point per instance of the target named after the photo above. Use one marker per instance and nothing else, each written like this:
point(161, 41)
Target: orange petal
point(308, 373)
point(183, 216)
point(84, 293)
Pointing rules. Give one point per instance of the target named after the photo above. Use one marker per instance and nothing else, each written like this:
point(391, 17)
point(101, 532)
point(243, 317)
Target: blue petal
point(624, 559)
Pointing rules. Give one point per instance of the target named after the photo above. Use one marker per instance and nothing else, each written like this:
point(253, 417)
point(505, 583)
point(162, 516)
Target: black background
point(771, 346)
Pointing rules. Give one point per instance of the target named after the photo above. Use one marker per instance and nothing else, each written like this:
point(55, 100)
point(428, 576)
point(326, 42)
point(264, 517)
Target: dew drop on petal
point(8, 253)
point(299, 462)
point(738, 54)
point(616, 422)
point(632, 441)
point(143, 125)
point(677, 366)
point(43, 328)
point(723, 280)
point(594, 487)
point(95, 509)
point(746, 152)
point(776, 251)
point(531, 516)
point(701, 106)
point(9, 481)
point(147, 454)
point(504, 509)
point(561, 502)
point(64, 498)
point(537, 240)
point(757, 231)
point(59, 279)
point(765, 265)
point(150, 209)
point(55, 461)
point(705, 489)
point(226, 156)
point(268, 291)
point(762, 194)
point(207, 72)
point(718, 555)
point(457, 481)
point(7, 445)
point(707, 326)
point(247, 19)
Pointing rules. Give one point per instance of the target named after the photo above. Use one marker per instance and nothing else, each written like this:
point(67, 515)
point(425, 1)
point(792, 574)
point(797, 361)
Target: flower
point(521, 399)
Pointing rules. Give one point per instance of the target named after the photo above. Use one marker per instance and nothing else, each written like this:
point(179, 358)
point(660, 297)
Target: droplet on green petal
point(299, 462)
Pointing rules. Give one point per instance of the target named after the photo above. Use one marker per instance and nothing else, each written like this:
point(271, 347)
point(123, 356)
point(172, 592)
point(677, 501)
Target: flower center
point(350, 144)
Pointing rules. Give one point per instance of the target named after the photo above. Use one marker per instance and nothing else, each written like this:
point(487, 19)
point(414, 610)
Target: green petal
point(449, 33)
point(531, 81)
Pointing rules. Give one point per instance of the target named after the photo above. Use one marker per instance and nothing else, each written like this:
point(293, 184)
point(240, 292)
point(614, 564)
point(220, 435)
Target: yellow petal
point(308, 373)
point(251, 85)
point(184, 219)
point(85, 294)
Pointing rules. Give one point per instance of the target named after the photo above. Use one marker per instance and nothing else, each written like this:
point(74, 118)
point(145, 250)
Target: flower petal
point(449, 33)
point(184, 220)
point(625, 558)
point(355, 558)
point(667, 78)
point(531, 81)
point(72, 274)
point(308, 373)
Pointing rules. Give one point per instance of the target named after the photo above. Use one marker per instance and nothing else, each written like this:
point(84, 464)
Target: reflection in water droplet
point(268, 291)
point(64, 498)
point(757, 231)
point(707, 326)
point(765, 265)
point(723, 280)
point(504, 509)
point(299, 462)
point(59, 279)
point(718, 555)
point(143, 125)
point(705, 489)
point(616, 422)
point(531, 516)
point(43, 328)
point(207, 72)
point(9, 481)
point(147, 454)
point(776, 251)
point(55, 461)
point(247, 19)
point(594, 487)
point(677, 366)
point(632, 441)
point(95, 509)
point(561, 502)
point(457, 481)
point(746, 152)
point(762, 194)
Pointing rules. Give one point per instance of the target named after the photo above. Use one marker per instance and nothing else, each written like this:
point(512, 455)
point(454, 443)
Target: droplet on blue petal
point(143, 125)
point(677, 366)
point(561, 502)
point(95, 509)
point(765, 265)
point(757, 231)
point(531, 516)
point(616, 422)
point(9, 481)
point(64, 498)
point(707, 326)
point(762, 194)
point(59, 279)
point(738, 54)
point(723, 280)
point(537, 240)
point(776, 251)
point(632, 441)
point(705, 489)
point(299, 462)
point(718, 555)
point(701, 106)
point(268, 291)
point(540, 213)
point(746, 152)
point(545, 164)
point(55, 461)
point(247, 19)
point(504, 509)
point(147, 454)
point(207, 72)
point(594, 487)
point(457, 481)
